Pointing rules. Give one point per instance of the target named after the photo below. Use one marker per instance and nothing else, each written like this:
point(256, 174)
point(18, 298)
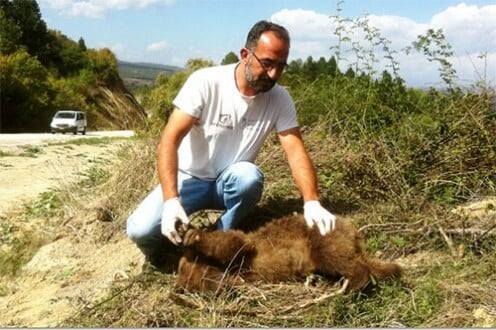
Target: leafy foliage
point(434, 46)
point(158, 101)
point(30, 31)
point(42, 70)
point(230, 58)
point(26, 92)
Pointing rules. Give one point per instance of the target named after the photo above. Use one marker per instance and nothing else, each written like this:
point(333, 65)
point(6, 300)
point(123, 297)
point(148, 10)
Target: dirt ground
point(74, 270)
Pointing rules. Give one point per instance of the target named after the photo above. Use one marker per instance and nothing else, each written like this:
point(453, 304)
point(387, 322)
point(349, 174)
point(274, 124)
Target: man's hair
point(264, 26)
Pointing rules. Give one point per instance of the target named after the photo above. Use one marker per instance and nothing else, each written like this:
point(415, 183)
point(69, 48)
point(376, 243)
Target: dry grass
point(449, 279)
point(448, 256)
point(422, 299)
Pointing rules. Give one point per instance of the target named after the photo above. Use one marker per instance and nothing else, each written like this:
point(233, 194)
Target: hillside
point(42, 70)
point(116, 106)
point(143, 74)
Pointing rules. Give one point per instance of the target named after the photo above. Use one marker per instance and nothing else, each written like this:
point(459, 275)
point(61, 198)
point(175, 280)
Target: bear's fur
point(283, 249)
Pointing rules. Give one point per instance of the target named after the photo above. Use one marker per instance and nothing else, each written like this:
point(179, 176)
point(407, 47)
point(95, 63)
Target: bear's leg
point(341, 255)
point(354, 270)
point(357, 274)
point(196, 274)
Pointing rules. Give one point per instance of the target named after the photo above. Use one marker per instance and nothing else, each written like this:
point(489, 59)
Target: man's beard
point(260, 84)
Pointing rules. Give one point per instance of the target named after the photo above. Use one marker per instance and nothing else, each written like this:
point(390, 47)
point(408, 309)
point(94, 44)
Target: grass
point(86, 141)
point(399, 190)
point(29, 151)
point(422, 299)
point(48, 205)
point(21, 239)
point(441, 287)
point(403, 224)
point(37, 222)
point(18, 246)
point(34, 151)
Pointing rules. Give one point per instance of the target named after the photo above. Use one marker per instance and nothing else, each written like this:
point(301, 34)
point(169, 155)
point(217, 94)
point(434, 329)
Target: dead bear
point(283, 249)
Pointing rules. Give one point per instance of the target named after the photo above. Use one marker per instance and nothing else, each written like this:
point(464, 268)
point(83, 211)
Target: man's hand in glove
point(172, 213)
point(315, 214)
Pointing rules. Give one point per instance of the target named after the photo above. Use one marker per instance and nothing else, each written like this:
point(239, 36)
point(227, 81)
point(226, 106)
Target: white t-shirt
point(231, 127)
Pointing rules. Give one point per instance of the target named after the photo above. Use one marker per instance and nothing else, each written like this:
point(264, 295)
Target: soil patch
point(74, 270)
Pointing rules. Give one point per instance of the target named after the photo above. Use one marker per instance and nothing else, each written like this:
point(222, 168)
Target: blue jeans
point(237, 190)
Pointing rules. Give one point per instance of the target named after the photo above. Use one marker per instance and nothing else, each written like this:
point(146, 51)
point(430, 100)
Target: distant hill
point(139, 74)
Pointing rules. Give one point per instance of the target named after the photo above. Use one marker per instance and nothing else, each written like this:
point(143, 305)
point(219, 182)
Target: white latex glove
point(172, 212)
point(315, 214)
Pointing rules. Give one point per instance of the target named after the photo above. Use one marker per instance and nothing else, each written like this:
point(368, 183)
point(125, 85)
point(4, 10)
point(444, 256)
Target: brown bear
point(283, 249)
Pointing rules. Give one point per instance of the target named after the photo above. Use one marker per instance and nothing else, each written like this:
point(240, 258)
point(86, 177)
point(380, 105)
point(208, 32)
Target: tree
point(332, 66)
point(33, 31)
point(159, 101)
point(198, 63)
point(68, 57)
point(42, 69)
point(26, 93)
point(350, 73)
point(10, 34)
point(309, 69)
point(104, 65)
point(321, 66)
point(231, 57)
point(82, 44)
point(294, 67)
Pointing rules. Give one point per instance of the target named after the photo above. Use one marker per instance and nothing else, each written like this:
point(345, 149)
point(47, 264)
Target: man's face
point(266, 62)
point(261, 82)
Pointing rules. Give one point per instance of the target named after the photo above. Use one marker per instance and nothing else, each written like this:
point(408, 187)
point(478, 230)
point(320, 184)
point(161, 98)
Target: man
point(205, 156)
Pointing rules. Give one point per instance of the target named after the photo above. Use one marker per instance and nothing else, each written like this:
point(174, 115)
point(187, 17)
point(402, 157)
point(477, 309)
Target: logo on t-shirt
point(225, 121)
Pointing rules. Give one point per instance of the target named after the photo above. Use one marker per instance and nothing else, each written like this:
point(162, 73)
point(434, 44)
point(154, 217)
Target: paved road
point(12, 140)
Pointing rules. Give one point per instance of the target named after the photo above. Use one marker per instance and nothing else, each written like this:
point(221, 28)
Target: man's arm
point(178, 125)
point(300, 163)
point(306, 179)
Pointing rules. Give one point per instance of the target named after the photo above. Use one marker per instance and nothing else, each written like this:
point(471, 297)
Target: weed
point(48, 205)
point(85, 141)
point(96, 175)
point(31, 151)
point(21, 246)
point(66, 274)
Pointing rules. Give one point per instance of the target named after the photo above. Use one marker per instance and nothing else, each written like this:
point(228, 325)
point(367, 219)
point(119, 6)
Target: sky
point(172, 31)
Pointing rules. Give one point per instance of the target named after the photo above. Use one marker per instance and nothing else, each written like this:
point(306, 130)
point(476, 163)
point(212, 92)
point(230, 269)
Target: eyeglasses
point(268, 65)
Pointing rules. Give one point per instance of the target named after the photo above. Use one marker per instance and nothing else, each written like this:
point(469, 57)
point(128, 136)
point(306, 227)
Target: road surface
point(19, 139)
point(24, 173)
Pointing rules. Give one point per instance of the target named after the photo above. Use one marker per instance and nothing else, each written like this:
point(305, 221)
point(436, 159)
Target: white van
point(69, 121)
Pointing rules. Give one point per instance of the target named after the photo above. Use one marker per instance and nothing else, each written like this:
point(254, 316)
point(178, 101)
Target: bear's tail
point(382, 269)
